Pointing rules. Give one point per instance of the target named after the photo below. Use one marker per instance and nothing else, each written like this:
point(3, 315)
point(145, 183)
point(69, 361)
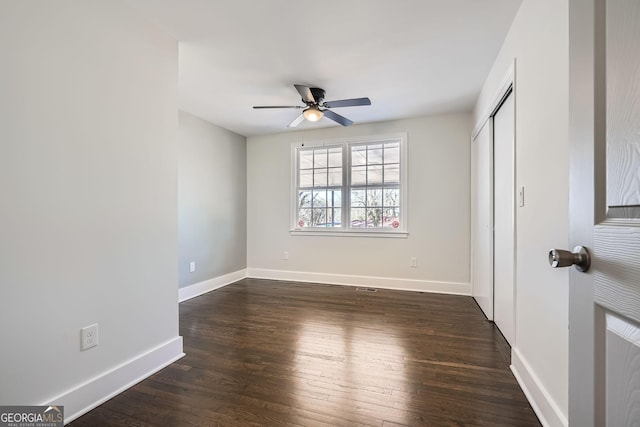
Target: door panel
point(617, 276)
point(623, 356)
point(504, 217)
point(623, 106)
point(482, 219)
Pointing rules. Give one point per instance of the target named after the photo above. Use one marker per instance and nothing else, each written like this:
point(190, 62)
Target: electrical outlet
point(89, 337)
point(285, 255)
point(413, 262)
point(192, 266)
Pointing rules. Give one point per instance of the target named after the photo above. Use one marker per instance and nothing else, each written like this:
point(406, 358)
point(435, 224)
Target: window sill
point(351, 233)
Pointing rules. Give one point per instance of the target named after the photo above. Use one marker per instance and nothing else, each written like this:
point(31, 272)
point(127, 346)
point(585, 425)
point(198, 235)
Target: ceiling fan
point(316, 107)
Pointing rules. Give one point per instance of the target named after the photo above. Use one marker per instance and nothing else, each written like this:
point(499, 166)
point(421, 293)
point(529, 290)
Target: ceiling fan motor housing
point(318, 94)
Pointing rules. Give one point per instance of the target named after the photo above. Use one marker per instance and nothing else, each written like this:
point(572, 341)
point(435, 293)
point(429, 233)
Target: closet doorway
point(493, 215)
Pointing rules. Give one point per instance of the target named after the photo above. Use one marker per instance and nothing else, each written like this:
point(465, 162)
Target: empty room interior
point(289, 213)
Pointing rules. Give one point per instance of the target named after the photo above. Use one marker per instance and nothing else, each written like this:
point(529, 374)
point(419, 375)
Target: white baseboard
point(369, 281)
point(544, 406)
point(85, 397)
point(198, 289)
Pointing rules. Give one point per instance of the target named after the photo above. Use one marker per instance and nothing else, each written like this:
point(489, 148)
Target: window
point(355, 186)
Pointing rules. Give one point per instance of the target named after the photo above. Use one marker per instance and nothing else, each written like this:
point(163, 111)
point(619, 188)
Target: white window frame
point(400, 232)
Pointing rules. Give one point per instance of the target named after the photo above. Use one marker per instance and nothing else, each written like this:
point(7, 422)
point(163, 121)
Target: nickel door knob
point(579, 257)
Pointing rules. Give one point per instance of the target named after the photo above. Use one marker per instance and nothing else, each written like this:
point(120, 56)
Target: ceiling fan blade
point(297, 121)
point(337, 118)
point(305, 93)
point(347, 103)
point(276, 106)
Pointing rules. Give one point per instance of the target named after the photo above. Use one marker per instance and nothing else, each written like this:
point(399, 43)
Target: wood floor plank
point(274, 353)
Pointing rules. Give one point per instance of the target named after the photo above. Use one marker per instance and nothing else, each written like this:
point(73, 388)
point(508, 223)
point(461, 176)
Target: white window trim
point(402, 232)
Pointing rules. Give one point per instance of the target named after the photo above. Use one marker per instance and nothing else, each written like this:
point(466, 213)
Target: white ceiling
point(411, 57)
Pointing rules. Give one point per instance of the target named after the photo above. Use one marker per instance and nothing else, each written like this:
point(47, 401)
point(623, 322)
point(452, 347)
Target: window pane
point(392, 218)
point(391, 197)
point(358, 217)
point(306, 159)
point(392, 153)
point(358, 175)
point(304, 199)
point(374, 174)
point(304, 218)
point(359, 155)
point(391, 213)
point(374, 197)
point(334, 198)
point(306, 178)
point(319, 198)
point(374, 218)
point(320, 177)
point(320, 158)
point(319, 217)
point(358, 198)
point(335, 157)
point(335, 177)
point(337, 217)
point(374, 154)
point(328, 220)
point(391, 173)
point(332, 218)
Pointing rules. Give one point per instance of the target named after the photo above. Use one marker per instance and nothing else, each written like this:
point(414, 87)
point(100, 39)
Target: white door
point(504, 219)
point(482, 218)
point(604, 312)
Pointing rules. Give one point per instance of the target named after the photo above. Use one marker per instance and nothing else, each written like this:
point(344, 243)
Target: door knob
point(579, 257)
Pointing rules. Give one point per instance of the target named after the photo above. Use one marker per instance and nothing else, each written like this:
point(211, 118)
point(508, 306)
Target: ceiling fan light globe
point(312, 114)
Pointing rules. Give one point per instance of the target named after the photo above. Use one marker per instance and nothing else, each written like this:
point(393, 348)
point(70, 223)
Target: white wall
point(88, 178)
point(538, 39)
point(212, 195)
point(438, 212)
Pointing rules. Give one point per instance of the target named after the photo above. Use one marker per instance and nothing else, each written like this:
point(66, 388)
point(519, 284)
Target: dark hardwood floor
point(270, 353)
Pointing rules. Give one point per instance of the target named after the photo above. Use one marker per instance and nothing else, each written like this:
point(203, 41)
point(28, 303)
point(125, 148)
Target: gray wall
point(212, 200)
point(88, 178)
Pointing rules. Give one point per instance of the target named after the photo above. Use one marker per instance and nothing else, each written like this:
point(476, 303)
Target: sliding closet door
point(504, 219)
point(482, 218)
